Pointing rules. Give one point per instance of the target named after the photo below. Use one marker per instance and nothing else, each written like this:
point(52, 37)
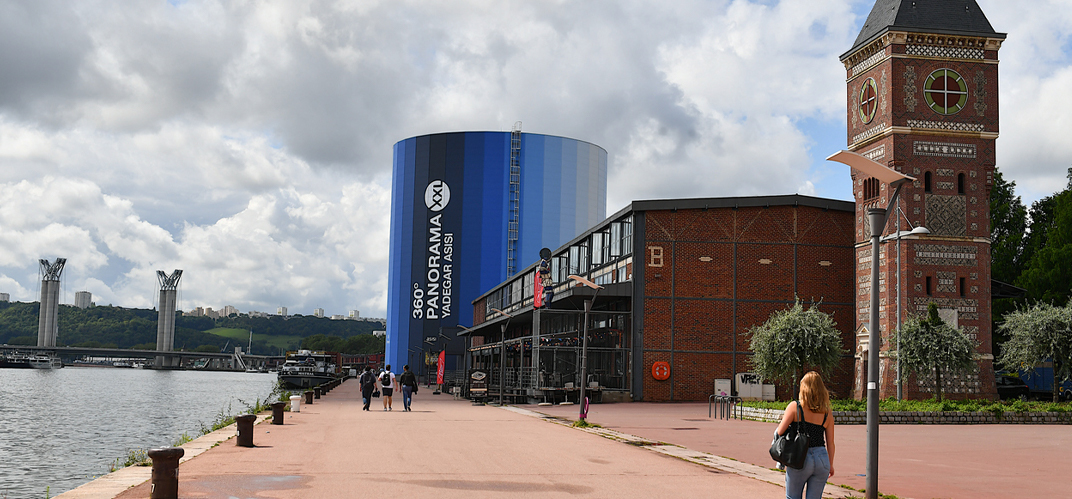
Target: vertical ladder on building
point(515, 200)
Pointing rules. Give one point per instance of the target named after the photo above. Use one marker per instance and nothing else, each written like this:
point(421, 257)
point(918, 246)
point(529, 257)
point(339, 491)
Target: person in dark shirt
point(408, 380)
point(819, 427)
point(367, 382)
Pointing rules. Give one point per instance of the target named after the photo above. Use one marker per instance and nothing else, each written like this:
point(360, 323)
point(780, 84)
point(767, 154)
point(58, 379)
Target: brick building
point(684, 281)
point(922, 98)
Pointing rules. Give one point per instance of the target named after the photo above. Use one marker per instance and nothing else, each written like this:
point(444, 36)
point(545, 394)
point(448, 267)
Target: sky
point(249, 142)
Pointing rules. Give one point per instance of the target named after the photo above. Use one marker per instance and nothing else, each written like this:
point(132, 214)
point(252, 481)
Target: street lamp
point(584, 342)
point(502, 355)
point(897, 236)
point(877, 218)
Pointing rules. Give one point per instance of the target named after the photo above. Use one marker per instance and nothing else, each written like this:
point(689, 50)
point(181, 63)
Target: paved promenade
point(444, 448)
point(449, 448)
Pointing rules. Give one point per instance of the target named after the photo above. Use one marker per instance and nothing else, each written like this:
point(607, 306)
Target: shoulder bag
point(791, 448)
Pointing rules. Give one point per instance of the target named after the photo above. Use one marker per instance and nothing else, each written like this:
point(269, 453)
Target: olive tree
point(1038, 332)
point(929, 345)
point(793, 340)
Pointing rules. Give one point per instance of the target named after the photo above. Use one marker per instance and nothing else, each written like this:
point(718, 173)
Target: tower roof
point(953, 17)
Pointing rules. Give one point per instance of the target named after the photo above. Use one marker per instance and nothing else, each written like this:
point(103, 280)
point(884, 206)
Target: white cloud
point(249, 143)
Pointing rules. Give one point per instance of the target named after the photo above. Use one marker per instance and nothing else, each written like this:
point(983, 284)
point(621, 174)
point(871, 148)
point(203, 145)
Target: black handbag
point(791, 448)
point(376, 394)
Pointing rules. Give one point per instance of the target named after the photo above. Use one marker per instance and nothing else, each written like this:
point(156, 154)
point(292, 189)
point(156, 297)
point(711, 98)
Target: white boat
point(45, 361)
point(306, 369)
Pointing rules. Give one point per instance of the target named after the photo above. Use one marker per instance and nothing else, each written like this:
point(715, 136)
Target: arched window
point(927, 182)
point(871, 188)
point(960, 184)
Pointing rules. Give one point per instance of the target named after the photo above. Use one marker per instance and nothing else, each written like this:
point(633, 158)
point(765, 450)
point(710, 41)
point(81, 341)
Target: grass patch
point(580, 423)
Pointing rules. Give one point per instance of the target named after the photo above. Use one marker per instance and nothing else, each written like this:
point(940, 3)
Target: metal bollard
point(245, 429)
point(165, 481)
point(308, 397)
point(277, 412)
point(316, 392)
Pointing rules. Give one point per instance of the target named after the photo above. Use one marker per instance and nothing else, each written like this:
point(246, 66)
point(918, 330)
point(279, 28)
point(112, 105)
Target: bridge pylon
point(165, 323)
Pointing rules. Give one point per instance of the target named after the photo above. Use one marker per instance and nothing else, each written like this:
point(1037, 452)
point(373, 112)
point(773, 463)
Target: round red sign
point(660, 370)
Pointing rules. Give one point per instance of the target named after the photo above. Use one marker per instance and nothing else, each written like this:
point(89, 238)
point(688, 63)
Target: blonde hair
point(813, 393)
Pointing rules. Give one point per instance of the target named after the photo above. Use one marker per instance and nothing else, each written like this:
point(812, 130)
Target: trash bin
point(295, 403)
point(277, 412)
point(316, 392)
point(245, 429)
point(308, 397)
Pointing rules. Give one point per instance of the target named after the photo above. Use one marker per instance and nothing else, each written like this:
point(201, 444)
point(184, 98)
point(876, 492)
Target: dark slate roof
point(953, 17)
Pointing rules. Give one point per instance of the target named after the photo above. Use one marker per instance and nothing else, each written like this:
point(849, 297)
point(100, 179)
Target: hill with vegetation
point(134, 328)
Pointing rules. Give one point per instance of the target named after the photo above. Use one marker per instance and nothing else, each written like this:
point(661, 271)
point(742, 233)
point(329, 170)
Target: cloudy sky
point(249, 142)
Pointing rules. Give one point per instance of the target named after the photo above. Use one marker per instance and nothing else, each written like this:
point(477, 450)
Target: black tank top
point(816, 433)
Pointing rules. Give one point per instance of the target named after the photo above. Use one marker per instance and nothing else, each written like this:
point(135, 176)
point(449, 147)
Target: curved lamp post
point(584, 342)
point(877, 218)
point(502, 354)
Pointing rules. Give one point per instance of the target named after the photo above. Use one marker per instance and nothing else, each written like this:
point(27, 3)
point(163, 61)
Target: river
point(62, 428)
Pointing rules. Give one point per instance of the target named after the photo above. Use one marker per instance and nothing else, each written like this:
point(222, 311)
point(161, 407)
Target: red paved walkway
point(915, 461)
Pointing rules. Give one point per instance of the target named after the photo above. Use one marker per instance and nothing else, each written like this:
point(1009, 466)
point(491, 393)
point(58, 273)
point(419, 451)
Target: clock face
point(868, 100)
point(945, 91)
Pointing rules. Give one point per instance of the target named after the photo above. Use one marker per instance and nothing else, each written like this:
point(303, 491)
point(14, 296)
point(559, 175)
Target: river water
point(62, 428)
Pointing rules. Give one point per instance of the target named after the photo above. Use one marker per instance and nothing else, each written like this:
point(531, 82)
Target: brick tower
point(922, 95)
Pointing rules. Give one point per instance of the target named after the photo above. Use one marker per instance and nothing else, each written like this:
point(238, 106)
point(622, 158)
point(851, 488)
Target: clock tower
point(922, 95)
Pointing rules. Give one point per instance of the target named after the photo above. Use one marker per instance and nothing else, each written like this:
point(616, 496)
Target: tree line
point(134, 328)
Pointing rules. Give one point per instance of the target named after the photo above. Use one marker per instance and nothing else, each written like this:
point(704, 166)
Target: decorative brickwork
point(946, 214)
point(910, 100)
point(944, 254)
point(943, 149)
point(946, 125)
point(946, 52)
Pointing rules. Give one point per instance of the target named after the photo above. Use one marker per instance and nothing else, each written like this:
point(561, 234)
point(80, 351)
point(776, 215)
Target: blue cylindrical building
point(468, 210)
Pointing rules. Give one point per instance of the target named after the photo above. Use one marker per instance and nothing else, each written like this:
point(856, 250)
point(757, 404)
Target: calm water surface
point(62, 428)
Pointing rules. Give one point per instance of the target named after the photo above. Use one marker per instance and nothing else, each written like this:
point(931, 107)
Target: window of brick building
point(962, 287)
point(960, 184)
point(655, 256)
point(929, 285)
point(927, 182)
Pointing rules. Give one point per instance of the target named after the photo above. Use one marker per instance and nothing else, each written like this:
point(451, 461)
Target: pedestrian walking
point(387, 386)
point(367, 382)
point(408, 380)
point(818, 425)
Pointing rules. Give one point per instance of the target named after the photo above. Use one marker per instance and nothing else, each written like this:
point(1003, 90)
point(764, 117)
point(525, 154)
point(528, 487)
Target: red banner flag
point(537, 296)
point(442, 364)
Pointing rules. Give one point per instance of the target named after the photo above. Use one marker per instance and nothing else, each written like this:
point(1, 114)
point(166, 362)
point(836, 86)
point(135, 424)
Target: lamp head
point(584, 281)
point(920, 230)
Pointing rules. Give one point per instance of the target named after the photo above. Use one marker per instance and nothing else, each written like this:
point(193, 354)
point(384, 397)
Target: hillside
point(117, 327)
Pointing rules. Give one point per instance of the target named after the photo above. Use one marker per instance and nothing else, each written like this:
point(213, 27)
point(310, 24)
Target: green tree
point(793, 340)
point(1008, 223)
point(930, 345)
point(1041, 331)
point(1048, 274)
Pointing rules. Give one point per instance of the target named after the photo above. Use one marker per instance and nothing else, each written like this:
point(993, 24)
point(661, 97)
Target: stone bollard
point(165, 481)
point(316, 392)
point(245, 429)
point(277, 412)
point(295, 403)
point(309, 397)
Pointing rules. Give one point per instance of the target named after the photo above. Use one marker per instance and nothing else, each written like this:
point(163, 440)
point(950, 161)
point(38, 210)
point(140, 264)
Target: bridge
point(221, 360)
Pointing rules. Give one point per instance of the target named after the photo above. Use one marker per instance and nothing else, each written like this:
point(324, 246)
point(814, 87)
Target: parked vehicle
point(1011, 387)
point(1040, 381)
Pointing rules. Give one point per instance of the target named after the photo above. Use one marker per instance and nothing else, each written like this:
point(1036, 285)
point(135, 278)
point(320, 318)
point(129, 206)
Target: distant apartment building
point(281, 311)
point(337, 317)
point(355, 314)
point(254, 313)
point(83, 299)
point(318, 312)
point(228, 310)
point(4, 297)
point(379, 333)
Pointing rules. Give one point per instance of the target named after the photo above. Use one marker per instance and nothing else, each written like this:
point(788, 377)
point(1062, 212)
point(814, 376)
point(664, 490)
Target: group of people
point(385, 383)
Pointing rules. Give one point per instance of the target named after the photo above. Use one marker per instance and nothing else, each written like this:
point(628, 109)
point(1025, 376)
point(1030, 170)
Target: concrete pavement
point(444, 448)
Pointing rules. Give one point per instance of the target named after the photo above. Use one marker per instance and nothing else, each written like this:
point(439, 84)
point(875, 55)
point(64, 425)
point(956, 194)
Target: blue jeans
point(814, 473)
point(407, 396)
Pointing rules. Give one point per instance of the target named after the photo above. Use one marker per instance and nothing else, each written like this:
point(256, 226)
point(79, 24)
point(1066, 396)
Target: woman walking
point(819, 427)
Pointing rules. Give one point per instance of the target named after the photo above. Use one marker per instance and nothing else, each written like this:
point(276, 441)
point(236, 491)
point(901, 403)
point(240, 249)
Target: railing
point(727, 406)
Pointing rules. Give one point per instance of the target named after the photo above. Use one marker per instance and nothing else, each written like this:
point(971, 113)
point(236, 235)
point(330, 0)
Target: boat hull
point(304, 380)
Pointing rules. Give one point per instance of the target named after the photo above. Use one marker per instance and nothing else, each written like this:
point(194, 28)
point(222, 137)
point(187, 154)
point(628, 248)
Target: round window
point(868, 100)
point(945, 91)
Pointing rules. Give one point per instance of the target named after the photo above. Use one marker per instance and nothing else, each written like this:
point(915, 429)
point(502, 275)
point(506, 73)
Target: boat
point(45, 361)
point(18, 360)
point(306, 369)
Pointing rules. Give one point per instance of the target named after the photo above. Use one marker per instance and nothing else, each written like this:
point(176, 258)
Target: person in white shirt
point(387, 386)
